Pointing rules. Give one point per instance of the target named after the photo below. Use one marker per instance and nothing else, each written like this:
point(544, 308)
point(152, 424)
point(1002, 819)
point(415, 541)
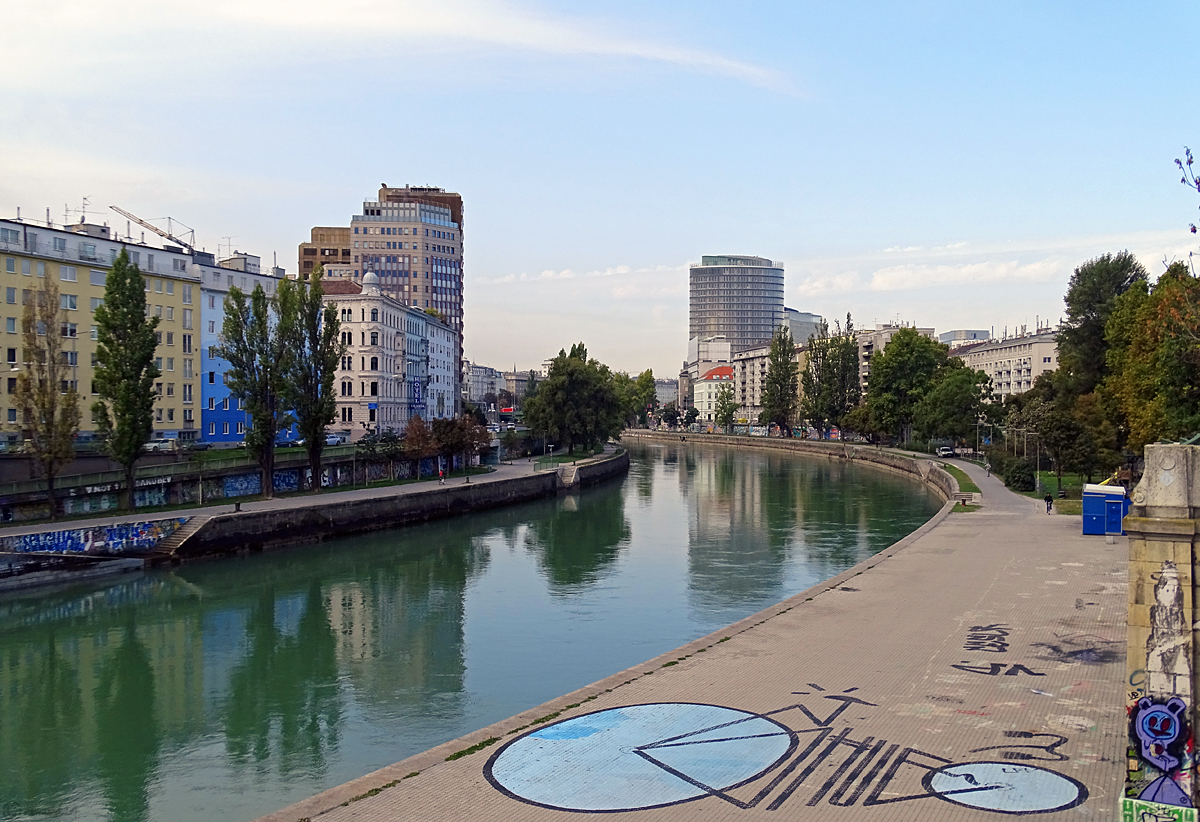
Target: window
point(12, 415)
point(95, 333)
point(241, 428)
point(187, 294)
point(212, 403)
point(212, 352)
point(374, 363)
point(374, 315)
point(9, 235)
point(10, 296)
point(187, 343)
point(158, 338)
point(12, 385)
point(70, 357)
point(187, 391)
point(225, 404)
point(170, 363)
point(374, 389)
point(187, 369)
point(10, 325)
point(94, 277)
point(158, 388)
point(66, 273)
point(170, 338)
point(347, 414)
point(68, 302)
point(170, 312)
point(25, 268)
point(69, 330)
point(158, 310)
point(170, 389)
point(374, 338)
point(212, 326)
point(12, 356)
point(187, 318)
point(158, 415)
point(212, 429)
point(158, 363)
point(212, 377)
point(87, 251)
point(177, 265)
point(97, 302)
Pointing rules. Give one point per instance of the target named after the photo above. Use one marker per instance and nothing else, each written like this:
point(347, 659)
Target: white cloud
point(88, 42)
point(906, 277)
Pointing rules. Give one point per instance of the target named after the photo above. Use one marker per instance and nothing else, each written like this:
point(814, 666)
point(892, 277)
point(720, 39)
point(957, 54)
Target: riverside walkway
point(972, 671)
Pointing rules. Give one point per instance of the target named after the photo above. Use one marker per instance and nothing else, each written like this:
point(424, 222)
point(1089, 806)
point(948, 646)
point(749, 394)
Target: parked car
point(197, 445)
point(335, 439)
point(945, 451)
point(161, 445)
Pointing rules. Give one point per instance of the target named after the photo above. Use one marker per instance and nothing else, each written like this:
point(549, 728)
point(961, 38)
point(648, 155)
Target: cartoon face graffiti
point(1157, 728)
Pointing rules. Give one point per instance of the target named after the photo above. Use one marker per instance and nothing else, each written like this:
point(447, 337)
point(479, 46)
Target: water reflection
point(578, 542)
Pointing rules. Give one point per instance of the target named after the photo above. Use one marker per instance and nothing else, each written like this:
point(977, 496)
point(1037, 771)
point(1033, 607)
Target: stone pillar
point(1163, 535)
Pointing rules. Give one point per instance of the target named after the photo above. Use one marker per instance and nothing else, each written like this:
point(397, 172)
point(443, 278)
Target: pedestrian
point(1049, 501)
point(987, 466)
point(441, 477)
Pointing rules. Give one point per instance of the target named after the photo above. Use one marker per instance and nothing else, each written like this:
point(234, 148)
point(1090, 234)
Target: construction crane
point(164, 234)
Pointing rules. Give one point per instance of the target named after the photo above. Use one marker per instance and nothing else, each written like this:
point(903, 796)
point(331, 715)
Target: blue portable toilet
point(1104, 508)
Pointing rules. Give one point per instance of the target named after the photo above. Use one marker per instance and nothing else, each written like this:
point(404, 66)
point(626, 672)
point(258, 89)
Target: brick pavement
point(996, 636)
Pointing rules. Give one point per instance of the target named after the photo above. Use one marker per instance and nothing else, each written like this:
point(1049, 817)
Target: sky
point(940, 164)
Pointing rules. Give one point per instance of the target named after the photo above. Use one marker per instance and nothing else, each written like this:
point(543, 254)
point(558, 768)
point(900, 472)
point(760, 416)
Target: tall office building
point(738, 297)
point(412, 239)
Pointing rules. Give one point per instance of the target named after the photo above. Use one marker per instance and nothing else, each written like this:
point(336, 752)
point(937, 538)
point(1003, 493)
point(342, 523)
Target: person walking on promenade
point(1049, 502)
point(987, 466)
point(441, 477)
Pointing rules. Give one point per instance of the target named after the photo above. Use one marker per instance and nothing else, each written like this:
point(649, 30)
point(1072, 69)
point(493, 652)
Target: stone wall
point(925, 470)
point(1163, 534)
point(278, 527)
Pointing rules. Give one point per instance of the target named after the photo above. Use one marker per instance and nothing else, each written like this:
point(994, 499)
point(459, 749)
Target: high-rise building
point(412, 239)
point(738, 297)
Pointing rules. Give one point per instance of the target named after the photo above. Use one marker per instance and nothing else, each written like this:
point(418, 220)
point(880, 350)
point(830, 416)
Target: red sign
point(505, 410)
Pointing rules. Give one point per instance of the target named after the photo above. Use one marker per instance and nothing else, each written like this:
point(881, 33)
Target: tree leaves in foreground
point(46, 397)
point(125, 371)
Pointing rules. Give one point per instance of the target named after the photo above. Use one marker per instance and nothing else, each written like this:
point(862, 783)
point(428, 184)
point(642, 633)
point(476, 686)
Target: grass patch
point(1068, 507)
point(476, 748)
point(965, 484)
point(669, 664)
point(965, 509)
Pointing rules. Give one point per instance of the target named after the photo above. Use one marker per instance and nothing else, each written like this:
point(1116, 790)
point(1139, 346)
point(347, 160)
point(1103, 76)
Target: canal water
point(229, 689)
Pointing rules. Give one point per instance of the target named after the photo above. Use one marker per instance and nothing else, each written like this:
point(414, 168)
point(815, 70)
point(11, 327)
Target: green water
point(229, 689)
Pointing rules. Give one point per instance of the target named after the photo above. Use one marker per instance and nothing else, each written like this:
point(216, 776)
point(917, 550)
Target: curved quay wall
point(243, 531)
point(924, 470)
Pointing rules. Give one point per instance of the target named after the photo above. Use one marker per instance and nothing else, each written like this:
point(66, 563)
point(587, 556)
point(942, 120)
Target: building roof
point(721, 372)
point(337, 286)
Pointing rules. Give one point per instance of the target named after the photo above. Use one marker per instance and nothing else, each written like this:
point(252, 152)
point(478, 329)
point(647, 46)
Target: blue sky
point(943, 164)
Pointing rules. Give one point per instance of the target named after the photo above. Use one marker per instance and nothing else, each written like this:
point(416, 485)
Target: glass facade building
point(739, 297)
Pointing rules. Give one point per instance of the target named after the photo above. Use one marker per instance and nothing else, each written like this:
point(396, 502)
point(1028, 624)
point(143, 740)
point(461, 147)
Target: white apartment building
point(705, 391)
point(1014, 363)
point(399, 361)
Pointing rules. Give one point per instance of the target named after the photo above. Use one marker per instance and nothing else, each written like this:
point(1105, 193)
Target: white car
point(945, 451)
point(160, 445)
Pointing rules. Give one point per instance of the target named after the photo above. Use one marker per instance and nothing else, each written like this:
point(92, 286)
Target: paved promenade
point(973, 671)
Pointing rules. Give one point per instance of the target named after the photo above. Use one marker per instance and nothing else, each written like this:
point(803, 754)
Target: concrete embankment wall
point(279, 527)
point(924, 470)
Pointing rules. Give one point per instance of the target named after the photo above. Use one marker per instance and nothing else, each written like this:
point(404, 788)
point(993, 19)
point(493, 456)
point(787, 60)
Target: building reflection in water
point(576, 544)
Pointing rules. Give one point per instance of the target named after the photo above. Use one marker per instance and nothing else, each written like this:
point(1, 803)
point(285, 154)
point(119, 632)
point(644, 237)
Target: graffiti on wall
point(242, 485)
point(1158, 785)
point(108, 539)
point(288, 480)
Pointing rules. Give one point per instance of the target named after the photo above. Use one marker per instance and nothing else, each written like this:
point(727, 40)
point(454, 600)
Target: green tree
point(419, 441)
point(954, 404)
point(901, 375)
point(691, 415)
point(781, 385)
point(125, 371)
point(830, 386)
point(578, 402)
point(1091, 299)
point(1158, 386)
point(311, 333)
point(46, 399)
point(645, 396)
point(726, 407)
point(670, 414)
point(253, 342)
point(509, 442)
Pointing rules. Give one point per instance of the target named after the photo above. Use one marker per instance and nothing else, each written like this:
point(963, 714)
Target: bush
point(1018, 474)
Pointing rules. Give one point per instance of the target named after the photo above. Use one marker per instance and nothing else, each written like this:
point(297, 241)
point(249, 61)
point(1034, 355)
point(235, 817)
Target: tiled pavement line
point(1048, 692)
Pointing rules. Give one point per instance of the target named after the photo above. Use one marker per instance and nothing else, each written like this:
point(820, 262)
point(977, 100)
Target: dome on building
point(370, 283)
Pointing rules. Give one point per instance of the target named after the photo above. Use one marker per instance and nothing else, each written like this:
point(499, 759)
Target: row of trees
point(448, 437)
